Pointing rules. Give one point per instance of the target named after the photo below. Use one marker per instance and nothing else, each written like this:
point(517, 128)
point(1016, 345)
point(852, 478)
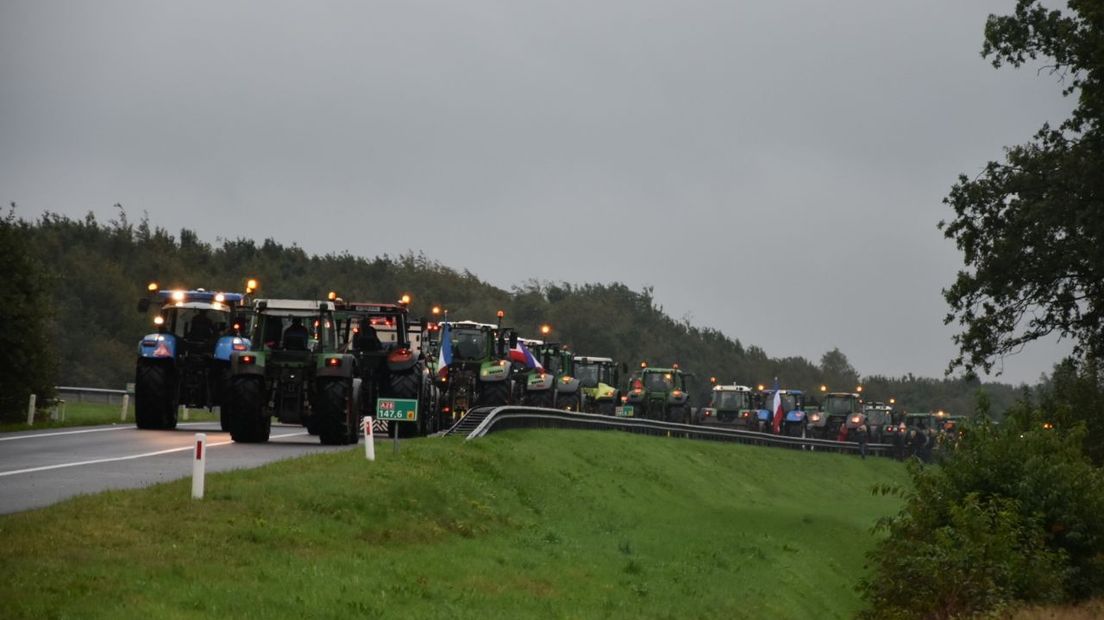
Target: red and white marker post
point(199, 465)
point(369, 439)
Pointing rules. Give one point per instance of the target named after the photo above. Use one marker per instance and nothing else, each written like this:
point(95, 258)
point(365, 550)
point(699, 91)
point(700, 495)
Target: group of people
point(907, 442)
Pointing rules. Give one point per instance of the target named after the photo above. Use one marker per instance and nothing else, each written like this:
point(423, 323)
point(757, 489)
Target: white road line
point(124, 458)
point(129, 427)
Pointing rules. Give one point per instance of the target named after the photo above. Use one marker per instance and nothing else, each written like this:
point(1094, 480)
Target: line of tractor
point(328, 363)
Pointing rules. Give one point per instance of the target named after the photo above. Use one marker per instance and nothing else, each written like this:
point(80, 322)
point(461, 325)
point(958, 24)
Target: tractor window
point(789, 401)
point(658, 381)
point(587, 374)
point(298, 333)
point(731, 400)
point(605, 374)
point(552, 362)
point(469, 345)
point(198, 324)
point(837, 405)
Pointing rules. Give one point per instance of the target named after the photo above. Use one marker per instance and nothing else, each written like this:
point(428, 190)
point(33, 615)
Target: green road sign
point(624, 412)
point(398, 409)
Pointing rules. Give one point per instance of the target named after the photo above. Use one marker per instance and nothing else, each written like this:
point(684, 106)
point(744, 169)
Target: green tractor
point(660, 394)
point(389, 362)
point(473, 366)
point(600, 381)
point(837, 409)
point(293, 371)
point(551, 383)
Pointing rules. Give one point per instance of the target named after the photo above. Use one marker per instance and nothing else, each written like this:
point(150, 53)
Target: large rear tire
point(246, 418)
point(493, 394)
point(406, 385)
point(569, 402)
point(679, 414)
point(539, 398)
point(155, 395)
point(334, 407)
point(220, 371)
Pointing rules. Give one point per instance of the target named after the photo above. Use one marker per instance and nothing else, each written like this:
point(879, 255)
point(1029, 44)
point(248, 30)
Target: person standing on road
point(862, 433)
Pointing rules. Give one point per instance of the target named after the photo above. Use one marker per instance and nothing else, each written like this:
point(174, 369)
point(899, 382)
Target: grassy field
point(518, 524)
point(91, 414)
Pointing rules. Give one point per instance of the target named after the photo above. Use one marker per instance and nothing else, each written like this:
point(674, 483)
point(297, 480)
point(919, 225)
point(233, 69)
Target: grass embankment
point(518, 524)
point(92, 414)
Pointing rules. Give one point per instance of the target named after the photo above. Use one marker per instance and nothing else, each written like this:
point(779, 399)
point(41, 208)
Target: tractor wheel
point(679, 414)
point(334, 407)
point(406, 385)
point(569, 402)
point(540, 398)
point(606, 408)
point(493, 394)
point(155, 395)
point(220, 372)
point(246, 417)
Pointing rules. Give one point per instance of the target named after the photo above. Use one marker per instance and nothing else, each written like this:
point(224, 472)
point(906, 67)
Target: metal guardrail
point(511, 417)
point(90, 395)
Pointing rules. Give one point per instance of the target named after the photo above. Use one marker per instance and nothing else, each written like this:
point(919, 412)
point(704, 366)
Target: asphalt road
point(39, 468)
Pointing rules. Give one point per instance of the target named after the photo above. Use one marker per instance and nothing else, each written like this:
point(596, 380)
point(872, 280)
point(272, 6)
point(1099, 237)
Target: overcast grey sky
point(773, 168)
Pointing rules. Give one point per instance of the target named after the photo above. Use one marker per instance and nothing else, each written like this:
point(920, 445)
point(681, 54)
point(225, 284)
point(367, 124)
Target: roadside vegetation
point(518, 524)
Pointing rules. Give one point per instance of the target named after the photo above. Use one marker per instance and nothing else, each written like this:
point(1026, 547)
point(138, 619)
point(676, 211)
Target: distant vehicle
point(878, 418)
point(793, 420)
point(187, 360)
point(389, 364)
point(600, 381)
point(554, 385)
point(730, 405)
point(660, 394)
point(835, 410)
point(477, 372)
point(295, 372)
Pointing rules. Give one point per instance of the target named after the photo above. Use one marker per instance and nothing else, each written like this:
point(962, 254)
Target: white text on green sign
point(399, 409)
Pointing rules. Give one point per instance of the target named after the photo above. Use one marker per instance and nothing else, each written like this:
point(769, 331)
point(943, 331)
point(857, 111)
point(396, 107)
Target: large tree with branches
point(1031, 227)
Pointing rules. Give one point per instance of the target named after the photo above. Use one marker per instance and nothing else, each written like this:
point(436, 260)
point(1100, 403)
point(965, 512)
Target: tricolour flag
point(444, 357)
point(776, 407)
point(521, 354)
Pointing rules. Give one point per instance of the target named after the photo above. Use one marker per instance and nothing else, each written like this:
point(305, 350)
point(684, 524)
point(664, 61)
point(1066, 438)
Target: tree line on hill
point(88, 276)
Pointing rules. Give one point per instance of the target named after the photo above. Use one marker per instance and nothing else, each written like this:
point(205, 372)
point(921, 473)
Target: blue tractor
point(793, 412)
point(187, 360)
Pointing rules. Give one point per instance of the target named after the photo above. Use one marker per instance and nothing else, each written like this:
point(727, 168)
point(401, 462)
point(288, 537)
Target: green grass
point(518, 524)
point(91, 414)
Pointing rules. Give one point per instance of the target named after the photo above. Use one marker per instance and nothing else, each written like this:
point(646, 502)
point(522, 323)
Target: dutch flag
point(444, 356)
point(776, 407)
point(522, 355)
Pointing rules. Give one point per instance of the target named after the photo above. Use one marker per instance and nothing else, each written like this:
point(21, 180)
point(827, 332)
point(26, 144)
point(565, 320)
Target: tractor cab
point(879, 420)
point(660, 393)
point(600, 381)
point(474, 365)
point(793, 412)
point(552, 383)
point(730, 405)
point(836, 410)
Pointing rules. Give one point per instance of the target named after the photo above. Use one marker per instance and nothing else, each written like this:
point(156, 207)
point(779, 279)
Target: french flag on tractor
point(444, 357)
point(521, 354)
point(776, 407)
